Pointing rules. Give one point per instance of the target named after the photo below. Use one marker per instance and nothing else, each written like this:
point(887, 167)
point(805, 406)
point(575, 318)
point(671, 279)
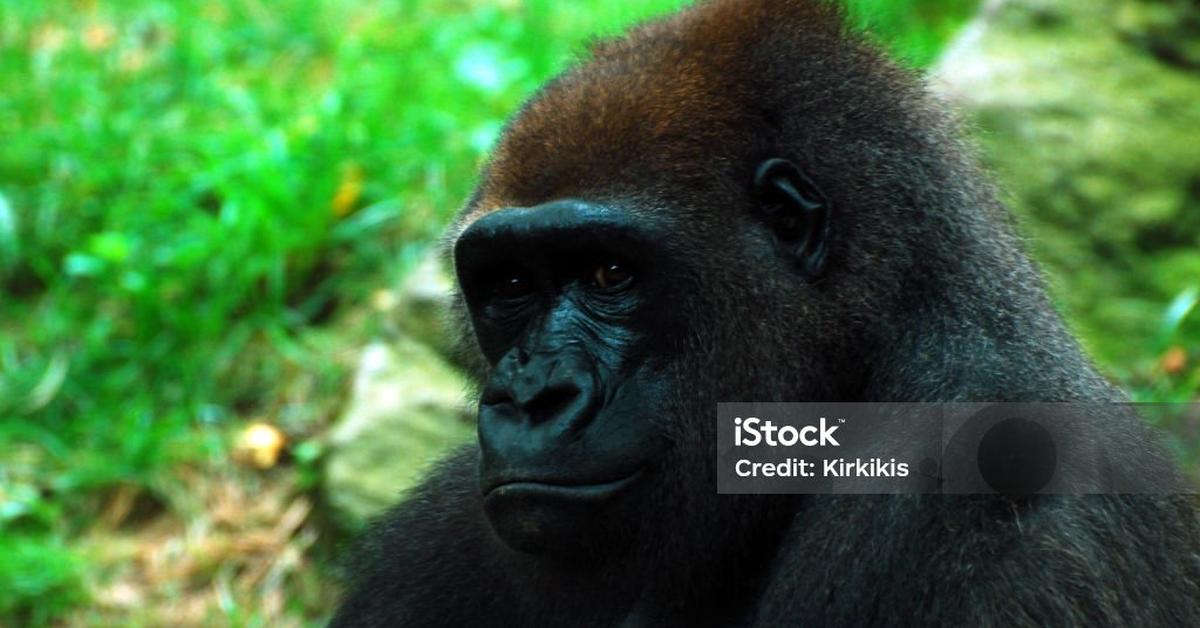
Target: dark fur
point(927, 296)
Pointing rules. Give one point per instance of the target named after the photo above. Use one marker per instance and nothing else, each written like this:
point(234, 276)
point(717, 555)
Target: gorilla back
point(745, 201)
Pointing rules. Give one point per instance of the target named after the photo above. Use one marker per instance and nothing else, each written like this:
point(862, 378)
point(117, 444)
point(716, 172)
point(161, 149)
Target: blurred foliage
point(37, 570)
point(913, 31)
point(196, 200)
point(1088, 115)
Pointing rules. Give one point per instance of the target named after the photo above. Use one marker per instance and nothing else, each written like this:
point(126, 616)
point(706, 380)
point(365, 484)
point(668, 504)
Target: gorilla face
point(576, 307)
point(559, 297)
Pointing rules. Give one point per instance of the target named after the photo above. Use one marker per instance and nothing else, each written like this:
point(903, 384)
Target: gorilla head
point(685, 219)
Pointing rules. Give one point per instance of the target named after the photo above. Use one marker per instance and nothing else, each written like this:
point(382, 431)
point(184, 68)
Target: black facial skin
point(558, 298)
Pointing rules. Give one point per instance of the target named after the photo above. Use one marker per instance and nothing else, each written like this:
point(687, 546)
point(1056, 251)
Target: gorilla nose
point(544, 391)
point(554, 400)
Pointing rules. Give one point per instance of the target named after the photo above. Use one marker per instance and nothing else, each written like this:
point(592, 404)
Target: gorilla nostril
point(495, 395)
point(551, 402)
point(494, 399)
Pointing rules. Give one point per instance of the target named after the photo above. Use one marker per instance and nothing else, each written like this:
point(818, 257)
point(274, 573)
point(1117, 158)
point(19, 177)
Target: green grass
point(194, 194)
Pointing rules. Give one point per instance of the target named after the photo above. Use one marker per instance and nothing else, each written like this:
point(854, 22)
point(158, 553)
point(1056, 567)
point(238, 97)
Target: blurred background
point(220, 337)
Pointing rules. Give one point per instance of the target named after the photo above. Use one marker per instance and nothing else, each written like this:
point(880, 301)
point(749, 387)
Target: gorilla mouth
point(556, 516)
point(561, 489)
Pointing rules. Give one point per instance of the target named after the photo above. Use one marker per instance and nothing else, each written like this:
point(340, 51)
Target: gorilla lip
point(564, 489)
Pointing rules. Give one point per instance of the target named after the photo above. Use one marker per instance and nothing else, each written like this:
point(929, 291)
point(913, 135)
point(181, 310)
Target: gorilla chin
point(558, 519)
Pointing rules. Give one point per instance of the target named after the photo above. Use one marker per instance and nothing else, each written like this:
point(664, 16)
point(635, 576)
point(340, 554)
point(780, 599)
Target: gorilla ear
point(796, 210)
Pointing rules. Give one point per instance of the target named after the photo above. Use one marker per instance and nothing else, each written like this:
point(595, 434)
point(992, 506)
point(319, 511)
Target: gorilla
point(747, 201)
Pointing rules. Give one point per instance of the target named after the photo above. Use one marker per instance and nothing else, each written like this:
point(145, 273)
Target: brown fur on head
point(674, 101)
point(678, 113)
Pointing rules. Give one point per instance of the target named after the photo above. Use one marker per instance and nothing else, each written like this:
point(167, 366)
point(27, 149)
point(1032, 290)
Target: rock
point(423, 305)
point(407, 409)
point(1087, 110)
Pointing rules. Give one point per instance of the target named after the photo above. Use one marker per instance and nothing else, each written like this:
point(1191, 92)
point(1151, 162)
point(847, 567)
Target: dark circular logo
point(1017, 456)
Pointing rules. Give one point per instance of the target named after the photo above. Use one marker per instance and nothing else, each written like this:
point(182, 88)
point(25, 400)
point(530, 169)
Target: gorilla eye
point(610, 275)
point(512, 286)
